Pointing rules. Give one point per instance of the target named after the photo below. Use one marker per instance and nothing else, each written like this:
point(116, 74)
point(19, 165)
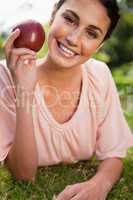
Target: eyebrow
point(73, 13)
point(96, 28)
point(77, 17)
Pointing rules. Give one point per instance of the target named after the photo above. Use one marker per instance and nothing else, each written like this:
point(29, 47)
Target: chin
point(61, 63)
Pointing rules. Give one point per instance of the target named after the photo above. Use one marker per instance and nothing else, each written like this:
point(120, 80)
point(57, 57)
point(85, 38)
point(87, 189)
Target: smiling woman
point(65, 106)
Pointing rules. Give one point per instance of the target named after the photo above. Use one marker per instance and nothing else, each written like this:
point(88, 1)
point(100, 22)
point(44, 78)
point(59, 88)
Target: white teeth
point(66, 50)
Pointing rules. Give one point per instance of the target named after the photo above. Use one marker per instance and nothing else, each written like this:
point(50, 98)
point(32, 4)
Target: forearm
point(23, 159)
point(109, 172)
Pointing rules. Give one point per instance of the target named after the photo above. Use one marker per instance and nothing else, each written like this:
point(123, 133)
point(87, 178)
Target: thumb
point(11, 38)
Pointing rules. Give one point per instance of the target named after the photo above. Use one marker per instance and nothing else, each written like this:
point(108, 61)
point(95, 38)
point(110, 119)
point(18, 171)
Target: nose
point(73, 38)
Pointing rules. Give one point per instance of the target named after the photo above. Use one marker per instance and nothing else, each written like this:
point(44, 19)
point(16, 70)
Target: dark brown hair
point(112, 11)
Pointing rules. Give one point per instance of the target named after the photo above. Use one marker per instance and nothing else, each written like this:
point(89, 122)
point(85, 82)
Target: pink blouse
point(97, 127)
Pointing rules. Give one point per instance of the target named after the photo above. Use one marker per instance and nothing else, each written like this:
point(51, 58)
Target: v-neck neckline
point(50, 116)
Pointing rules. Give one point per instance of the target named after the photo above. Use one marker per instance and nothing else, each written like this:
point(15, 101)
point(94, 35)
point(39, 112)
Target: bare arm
point(98, 186)
point(22, 159)
point(109, 172)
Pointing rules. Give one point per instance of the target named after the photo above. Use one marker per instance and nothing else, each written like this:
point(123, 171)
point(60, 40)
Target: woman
point(65, 107)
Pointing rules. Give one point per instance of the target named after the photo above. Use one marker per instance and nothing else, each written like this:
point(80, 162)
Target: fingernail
point(16, 30)
point(34, 53)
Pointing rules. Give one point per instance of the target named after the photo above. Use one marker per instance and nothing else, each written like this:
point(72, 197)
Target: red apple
point(32, 35)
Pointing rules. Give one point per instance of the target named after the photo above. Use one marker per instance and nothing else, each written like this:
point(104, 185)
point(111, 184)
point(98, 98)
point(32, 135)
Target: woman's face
point(77, 30)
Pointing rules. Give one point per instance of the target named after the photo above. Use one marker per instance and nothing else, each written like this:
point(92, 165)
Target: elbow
point(23, 173)
point(24, 177)
point(119, 163)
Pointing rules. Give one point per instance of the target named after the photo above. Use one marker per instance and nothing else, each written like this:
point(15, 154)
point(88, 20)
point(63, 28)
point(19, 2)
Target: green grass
point(52, 180)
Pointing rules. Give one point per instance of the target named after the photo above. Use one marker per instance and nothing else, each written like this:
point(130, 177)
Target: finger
point(15, 53)
point(32, 63)
point(24, 59)
point(27, 57)
point(64, 194)
point(24, 62)
point(78, 197)
point(29, 63)
point(68, 193)
point(20, 51)
point(81, 195)
point(8, 44)
point(12, 60)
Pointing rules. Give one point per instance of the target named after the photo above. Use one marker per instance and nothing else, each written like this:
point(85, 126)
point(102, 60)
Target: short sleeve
point(114, 134)
point(7, 112)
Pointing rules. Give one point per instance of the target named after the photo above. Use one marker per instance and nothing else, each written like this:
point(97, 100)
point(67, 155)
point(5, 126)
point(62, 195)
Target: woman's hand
point(21, 63)
point(88, 190)
point(98, 187)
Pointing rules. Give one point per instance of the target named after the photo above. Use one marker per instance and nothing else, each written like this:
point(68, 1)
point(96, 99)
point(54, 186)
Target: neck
point(59, 76)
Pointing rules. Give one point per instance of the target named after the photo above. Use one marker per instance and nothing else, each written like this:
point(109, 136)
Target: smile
point(66, 51)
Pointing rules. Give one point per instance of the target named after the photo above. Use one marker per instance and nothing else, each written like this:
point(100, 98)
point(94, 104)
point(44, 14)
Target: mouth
point(65, 51)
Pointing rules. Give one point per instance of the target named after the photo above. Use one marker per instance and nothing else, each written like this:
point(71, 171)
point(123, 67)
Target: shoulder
point(5, 75)
point(97, 68)
point(99, 75)
point(3, 67)
point(7, 88)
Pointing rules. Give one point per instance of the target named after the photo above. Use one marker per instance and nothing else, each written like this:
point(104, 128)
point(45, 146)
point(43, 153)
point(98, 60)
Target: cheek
point(58, 30)
point(89, 47)
point(53, 34)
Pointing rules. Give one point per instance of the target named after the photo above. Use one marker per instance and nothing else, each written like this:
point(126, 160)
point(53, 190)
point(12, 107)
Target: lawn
point(52, 180)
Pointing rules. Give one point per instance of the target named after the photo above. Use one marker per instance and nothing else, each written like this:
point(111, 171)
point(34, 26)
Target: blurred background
point(117, 51)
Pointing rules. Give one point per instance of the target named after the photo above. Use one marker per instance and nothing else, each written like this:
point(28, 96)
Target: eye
point(92, 34)
point(69, 19)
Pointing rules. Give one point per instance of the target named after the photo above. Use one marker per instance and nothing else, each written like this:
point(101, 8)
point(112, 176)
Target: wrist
point(24, 98)
point(102, 181)
point(24, 89)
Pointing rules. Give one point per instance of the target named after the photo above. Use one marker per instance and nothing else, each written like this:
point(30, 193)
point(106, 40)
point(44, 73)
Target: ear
point(53, 14)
